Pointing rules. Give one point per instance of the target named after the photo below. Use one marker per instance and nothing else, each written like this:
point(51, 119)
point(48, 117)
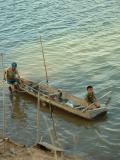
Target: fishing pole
point(44, 60)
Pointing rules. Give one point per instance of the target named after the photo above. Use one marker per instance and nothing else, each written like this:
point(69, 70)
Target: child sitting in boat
point(91, 98)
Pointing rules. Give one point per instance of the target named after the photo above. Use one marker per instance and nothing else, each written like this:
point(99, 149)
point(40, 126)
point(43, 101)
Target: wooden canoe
point(66, 102)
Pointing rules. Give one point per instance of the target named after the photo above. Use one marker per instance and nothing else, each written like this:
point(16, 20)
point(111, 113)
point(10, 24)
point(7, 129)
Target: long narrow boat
point(60, 99)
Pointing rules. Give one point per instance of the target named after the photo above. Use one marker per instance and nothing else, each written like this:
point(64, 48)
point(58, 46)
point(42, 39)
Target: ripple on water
point(81, 46)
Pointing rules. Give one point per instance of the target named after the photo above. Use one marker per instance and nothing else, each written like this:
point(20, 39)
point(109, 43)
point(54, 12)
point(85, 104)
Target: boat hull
point(28, 87)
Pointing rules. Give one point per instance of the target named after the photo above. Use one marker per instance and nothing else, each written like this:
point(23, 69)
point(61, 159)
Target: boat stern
point(96, 112)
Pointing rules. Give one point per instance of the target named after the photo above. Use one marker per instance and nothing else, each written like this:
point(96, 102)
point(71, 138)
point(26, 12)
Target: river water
point(81, 44)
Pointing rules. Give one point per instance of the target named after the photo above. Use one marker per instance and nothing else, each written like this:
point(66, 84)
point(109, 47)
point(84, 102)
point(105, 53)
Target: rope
point(51, 113)
point(50, 134)
point(53, 122)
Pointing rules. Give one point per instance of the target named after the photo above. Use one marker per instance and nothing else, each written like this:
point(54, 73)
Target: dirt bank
point(11, 151)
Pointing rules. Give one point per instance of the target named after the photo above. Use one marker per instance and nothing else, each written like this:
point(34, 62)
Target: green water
point(81, 44)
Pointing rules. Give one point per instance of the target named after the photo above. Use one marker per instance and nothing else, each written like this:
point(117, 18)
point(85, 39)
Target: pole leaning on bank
point(44, 60)
point(38, 100)
point(4, 127)
point(38, 116)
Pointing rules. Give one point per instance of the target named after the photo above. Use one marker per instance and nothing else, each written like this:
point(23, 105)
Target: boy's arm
point(5, 75)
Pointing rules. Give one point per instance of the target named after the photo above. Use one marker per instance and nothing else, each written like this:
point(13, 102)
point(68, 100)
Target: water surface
point(81, 43)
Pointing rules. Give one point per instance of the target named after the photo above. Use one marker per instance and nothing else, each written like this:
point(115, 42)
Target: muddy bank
point(9, 150)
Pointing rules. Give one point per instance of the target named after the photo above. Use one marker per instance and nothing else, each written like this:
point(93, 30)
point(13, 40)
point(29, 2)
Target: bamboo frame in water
point(4, 110)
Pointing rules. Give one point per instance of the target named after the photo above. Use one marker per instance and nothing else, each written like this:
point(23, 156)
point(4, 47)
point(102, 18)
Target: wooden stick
point(4, 120)
point(44, 61)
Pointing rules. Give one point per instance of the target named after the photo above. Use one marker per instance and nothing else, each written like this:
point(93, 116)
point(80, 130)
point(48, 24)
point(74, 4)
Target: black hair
point(88, 87)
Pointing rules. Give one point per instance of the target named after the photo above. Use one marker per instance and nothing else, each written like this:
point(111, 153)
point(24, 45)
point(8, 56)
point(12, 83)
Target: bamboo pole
point(46, 74)
point(38, 115)
point(4, 127)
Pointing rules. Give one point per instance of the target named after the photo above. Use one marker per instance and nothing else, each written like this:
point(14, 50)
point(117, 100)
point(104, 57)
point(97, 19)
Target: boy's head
point(14, 65)
point(89, 89)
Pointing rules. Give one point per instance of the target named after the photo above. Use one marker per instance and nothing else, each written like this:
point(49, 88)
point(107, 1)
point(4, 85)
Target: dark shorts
point(11, 81)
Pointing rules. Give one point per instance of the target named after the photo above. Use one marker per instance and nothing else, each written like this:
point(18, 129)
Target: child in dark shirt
point(91, 98)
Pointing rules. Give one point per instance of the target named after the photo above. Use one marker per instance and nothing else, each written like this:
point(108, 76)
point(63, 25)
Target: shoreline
point(10, 150)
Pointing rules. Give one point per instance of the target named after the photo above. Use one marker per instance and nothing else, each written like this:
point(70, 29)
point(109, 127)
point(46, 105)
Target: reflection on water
point(16, 111)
